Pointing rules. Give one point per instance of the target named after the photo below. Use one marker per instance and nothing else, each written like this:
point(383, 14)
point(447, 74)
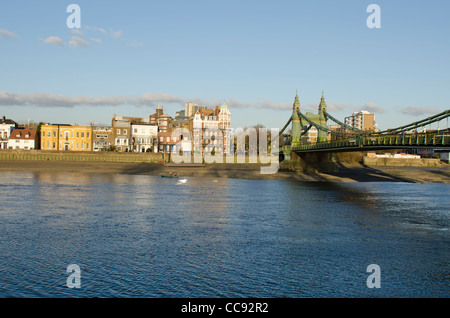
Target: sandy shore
point(242, 171)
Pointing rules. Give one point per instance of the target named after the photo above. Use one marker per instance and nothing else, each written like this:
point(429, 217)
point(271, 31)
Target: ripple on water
point(142, 236)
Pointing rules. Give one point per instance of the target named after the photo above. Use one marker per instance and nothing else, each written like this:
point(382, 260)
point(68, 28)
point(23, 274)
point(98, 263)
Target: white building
point(144, 137)
point(6, 126)
point(25, 139)
point(225, 126)
point(213, 128)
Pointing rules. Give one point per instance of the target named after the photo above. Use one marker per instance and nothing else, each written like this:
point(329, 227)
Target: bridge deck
point(363, 143)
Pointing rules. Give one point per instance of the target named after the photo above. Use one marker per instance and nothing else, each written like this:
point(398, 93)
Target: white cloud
point(7, 34)
point(83, 37)
point(373, 108)
point(76, 41)
point(117, 34)
point(419, 111)
point(94, 28)
point(99, 41)
point(336, 106)
point(42, 99)
point(54, 40)
point(263, 103)
point(331, 106)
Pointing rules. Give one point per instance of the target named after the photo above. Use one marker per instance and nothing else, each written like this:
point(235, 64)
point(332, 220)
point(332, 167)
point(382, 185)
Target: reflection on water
point(144, 236)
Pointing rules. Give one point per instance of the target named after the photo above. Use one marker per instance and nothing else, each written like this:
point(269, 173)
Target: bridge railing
point(419, 139)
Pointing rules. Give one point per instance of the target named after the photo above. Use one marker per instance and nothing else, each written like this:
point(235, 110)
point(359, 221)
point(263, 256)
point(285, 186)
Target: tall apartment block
point(362, 120)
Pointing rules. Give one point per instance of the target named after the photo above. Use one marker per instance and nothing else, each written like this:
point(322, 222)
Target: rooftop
point(7, 121)
point(23, 134)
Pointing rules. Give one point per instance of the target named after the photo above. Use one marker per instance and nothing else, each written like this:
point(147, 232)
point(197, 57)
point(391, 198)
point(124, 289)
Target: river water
point(146, 236)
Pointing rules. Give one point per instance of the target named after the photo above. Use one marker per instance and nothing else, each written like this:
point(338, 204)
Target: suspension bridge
point(344, 137)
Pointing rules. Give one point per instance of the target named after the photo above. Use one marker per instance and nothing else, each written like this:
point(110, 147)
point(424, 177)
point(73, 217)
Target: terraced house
point(25, 139)
point(6, 126)
point(121, 129)
point(66, 137)
point(102, 138)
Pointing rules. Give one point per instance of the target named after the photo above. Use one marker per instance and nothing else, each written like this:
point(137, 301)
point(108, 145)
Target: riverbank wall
point(310, 163)
point(403, 162)
point(39, 155)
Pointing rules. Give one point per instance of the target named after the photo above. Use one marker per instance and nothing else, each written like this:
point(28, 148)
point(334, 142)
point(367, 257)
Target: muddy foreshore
point(354, 173)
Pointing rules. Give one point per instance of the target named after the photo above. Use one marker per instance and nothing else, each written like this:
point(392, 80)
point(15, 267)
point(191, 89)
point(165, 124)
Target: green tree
point(38, 132)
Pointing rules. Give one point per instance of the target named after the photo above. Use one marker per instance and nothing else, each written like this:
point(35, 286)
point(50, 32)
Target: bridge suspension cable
point(282, 130)
point(306, 130)
point(323, 128)
point(417, 124)
point(285, 126)
point(411, 126)
point(357, 132)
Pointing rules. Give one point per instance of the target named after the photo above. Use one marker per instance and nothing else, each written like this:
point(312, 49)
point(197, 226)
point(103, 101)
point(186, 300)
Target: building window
point(118, 131)
point(87, 135)
point(54, 145)
point(78, 134)
point(124, 131)
point(82, 134)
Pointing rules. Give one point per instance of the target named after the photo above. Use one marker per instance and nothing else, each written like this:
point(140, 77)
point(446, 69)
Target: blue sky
point(130, 55)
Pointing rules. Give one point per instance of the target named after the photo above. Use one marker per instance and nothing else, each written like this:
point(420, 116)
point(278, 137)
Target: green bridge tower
point(296, 123)
point(299, 124)
point(322, 135)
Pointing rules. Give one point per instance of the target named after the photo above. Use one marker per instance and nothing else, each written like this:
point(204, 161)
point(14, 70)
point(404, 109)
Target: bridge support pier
point(445, 157)
point(312, 162)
